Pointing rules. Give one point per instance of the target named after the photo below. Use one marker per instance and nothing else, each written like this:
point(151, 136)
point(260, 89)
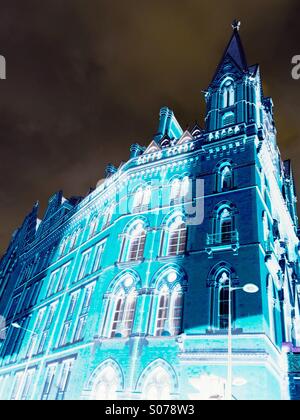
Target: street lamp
point(248, 288)
point(18, 327)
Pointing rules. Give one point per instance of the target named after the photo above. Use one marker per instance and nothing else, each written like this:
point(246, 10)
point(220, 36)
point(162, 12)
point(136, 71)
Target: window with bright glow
point(107, 216)
point(93, 226)
point(157, 385)
point(124, 314)
point(228, 119)
point(134, 243)
point(226, 178)
point(50, 375)
point(142, 198)
point(179, 189)
point(84, 268)
point(98, 256)
point(162, 314)
point(107, 384)
point(174, 237)
point(169, 311)
point(228, 94)
point(64, 379)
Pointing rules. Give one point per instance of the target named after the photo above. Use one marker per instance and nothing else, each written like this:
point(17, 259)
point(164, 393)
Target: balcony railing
point(223, 238)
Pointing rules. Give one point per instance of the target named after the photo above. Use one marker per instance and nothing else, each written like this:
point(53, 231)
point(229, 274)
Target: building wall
point(244, 231)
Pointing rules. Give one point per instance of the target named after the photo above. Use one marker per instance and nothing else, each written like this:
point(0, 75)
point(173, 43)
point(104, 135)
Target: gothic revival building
point(137, 291)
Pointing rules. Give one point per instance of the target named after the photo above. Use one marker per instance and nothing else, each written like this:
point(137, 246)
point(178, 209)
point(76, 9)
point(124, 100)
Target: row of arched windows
point(175, 232)
point(174, 236)
point(158, 381)
point(178, 190)
point(166, 306)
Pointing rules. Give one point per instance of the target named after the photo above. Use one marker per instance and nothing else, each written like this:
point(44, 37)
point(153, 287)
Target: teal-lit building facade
point(123, 294)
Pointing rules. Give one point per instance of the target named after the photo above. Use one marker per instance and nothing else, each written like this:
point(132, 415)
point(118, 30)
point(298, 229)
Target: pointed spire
point(234, 50)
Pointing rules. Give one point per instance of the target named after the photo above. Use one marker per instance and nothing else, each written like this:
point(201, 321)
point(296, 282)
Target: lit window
point(142, 198)
point(169, 313)
point(157, 385)
point(64, 379)
point(52, 283)
point(93, 227)
point(47, 327)
point(118, 315)
point(65, 334)
point(15, 395)
point(27, 384)
point(107, 217)
point(134, 243)
point(88, 292)
point(83, 272)
point(123, 314)
point(266, 226)
point(63, 246)
point(129, 314)
point(226, 178)
point(50, 374)
point(107, 384)
point(175, 189)
point(74, 240)
point(175, 236)
point(176, 313)
point(228, 119)
point(62, 278)
point(72, 305)
point(162, 314)
point(98, 256)
point(80, 329)
point(220, 300)
point(226, 227)
point(228, 94)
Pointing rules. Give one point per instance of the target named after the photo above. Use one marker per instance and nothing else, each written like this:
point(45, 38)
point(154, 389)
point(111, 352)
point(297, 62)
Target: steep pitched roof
point(234, 52)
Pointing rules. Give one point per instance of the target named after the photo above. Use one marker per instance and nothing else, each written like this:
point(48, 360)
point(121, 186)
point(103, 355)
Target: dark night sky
point(86, 78)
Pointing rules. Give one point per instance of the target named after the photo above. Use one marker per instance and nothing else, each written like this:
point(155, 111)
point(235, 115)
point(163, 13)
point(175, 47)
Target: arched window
point(228, 94)
point(174, 237)
point(169, 307)
point(134, 242)
point(185, 185)
point(220, 299)
point(224, 226)
point(124, 315)
point(223, 313)
point(93, 226)
point(63, 246)
point(142, 198)
point(162, 314)
point(157, 385)
point(175, 189)
point(226, 178)
point(74, 239)
point(107, 216)
point(122, 308)
point(176, 311)
point(179, 189)
point(107, 384)
point(228, 119)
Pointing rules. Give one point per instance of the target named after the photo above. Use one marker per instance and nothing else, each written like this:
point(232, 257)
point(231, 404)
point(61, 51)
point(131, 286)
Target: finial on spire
point(236, 25)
